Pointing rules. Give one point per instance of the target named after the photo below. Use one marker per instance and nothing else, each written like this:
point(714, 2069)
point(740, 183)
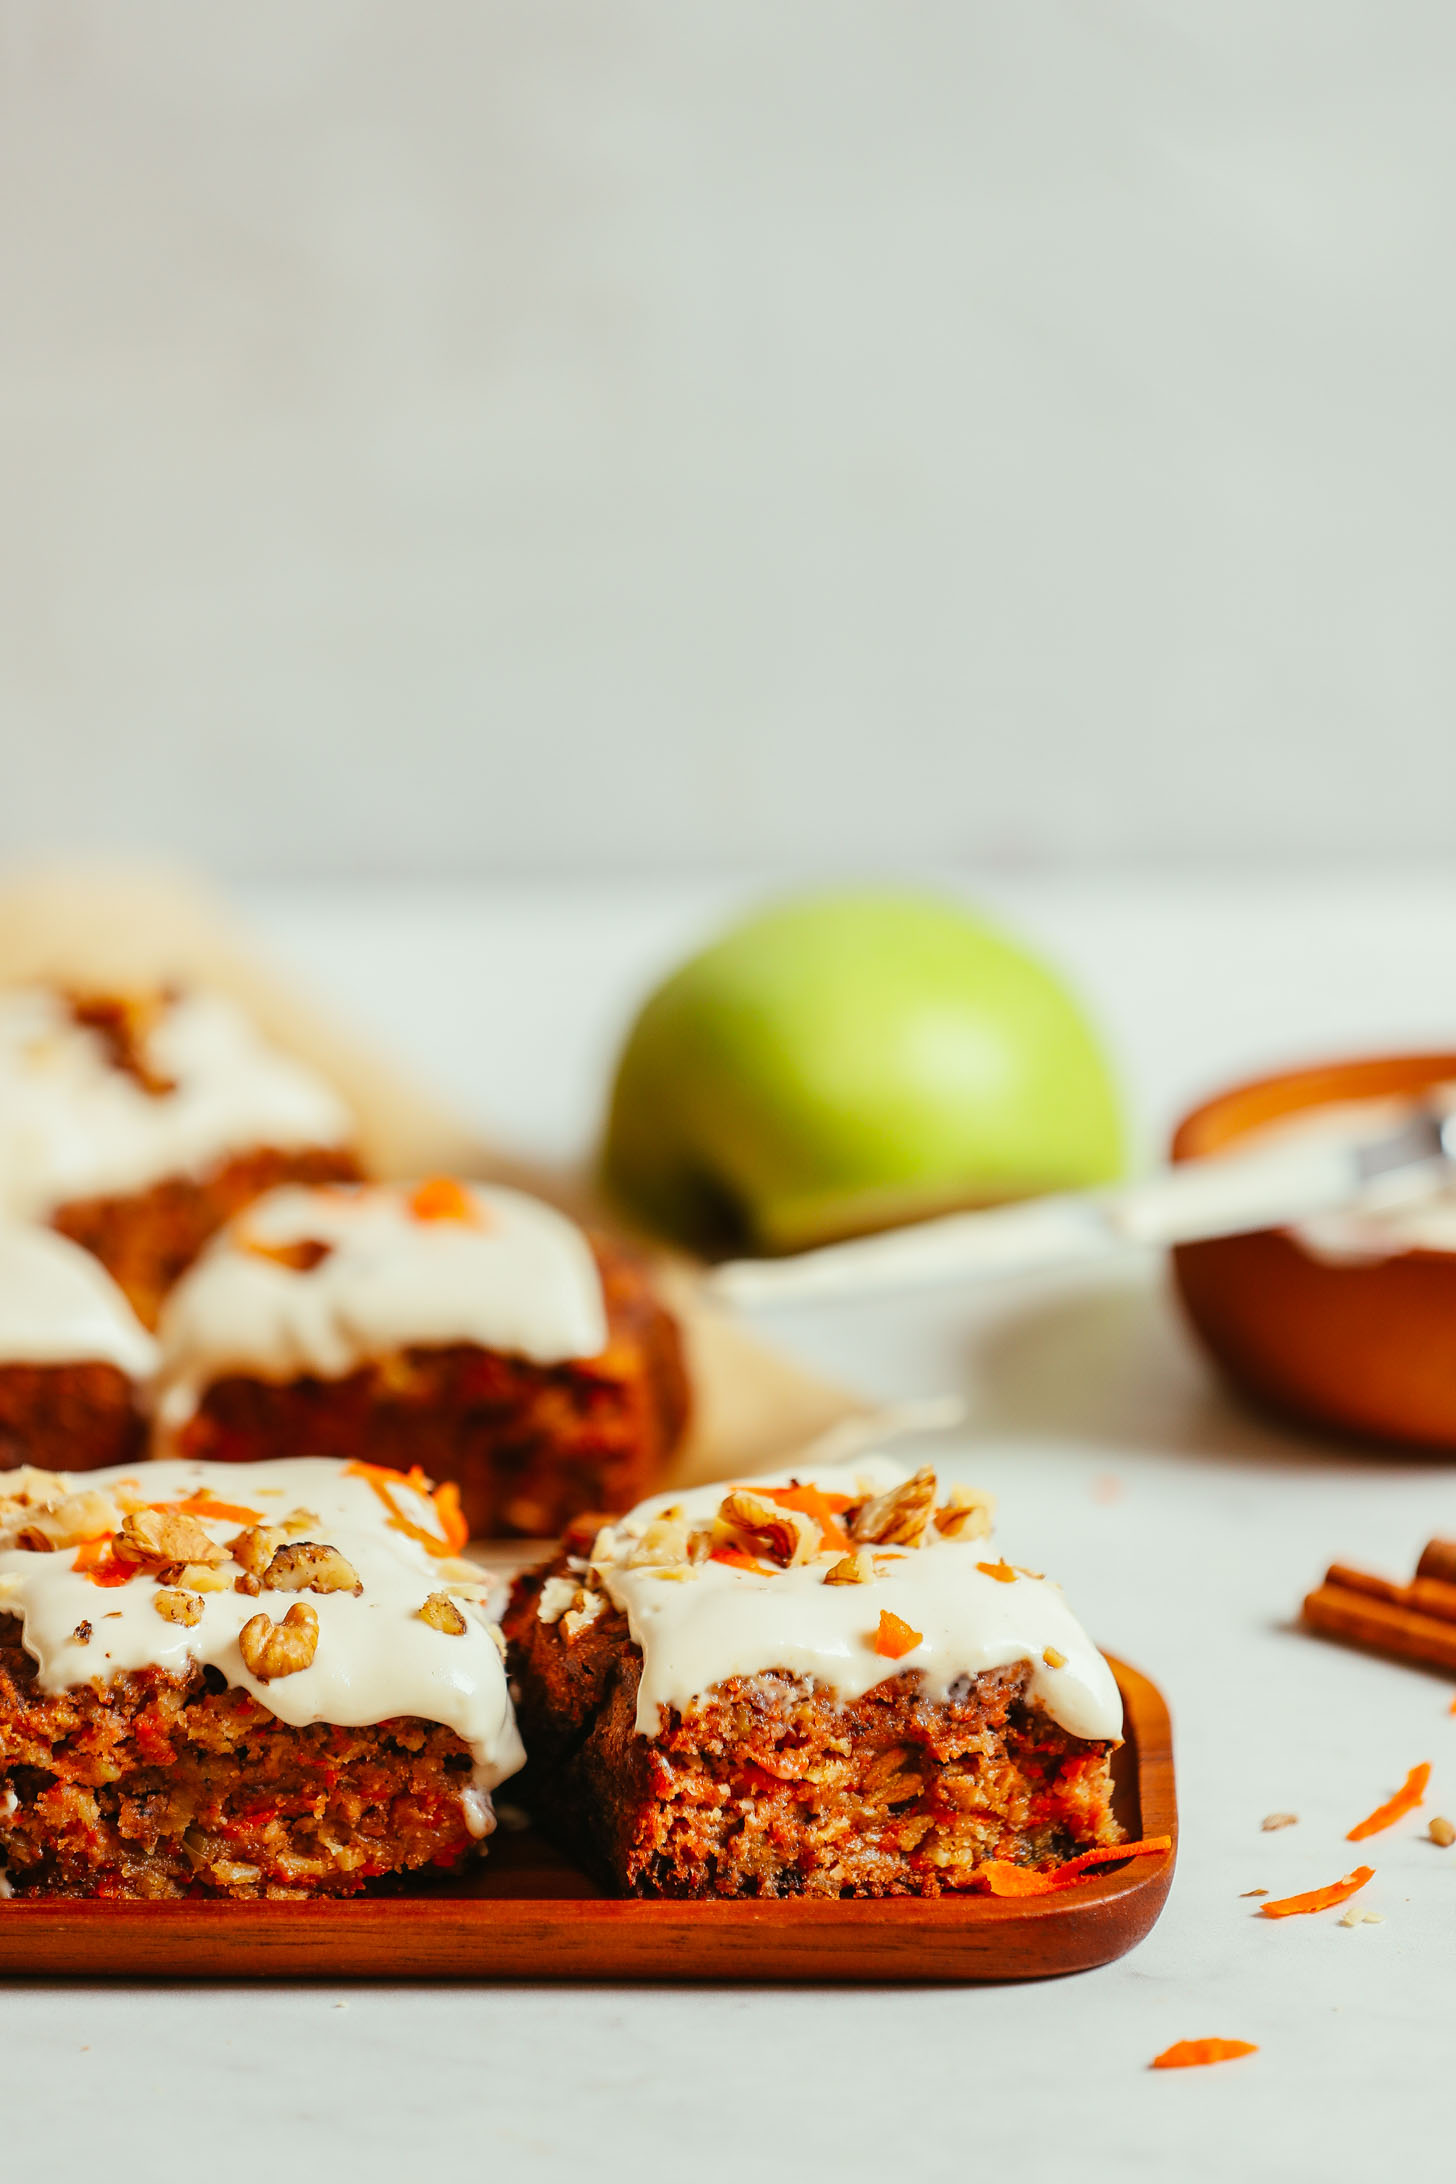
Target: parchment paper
point(753, 1406)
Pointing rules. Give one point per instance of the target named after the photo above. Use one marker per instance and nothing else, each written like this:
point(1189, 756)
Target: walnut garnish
point(271, 1650)
point(68, 1522)
point(1442, 1832)
point(248, 1584)
point(898, 1517)
point(441, 1613)
point(81, 1635)
point(1053, 1658)
point(311, 1567)
point(201, 1577)
point(557, 1595)
point(256, 1547)
point(301, 1520)
point(966, 1513)
point(585, 1609)
point(667, 1539)
point(162, 1539)
point(176, 1606)
point(759, 1527)
point(855, 1569)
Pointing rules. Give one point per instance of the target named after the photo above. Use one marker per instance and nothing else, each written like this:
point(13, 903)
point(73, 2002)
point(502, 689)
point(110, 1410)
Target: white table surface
point(511, 1001)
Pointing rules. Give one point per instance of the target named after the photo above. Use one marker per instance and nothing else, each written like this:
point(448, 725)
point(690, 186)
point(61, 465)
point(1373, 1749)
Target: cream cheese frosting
point(513, 1274)
point(59, 1306)
point(1399, 1212)
point(700, 1621)
point(74, 1124)
point(376, 1657)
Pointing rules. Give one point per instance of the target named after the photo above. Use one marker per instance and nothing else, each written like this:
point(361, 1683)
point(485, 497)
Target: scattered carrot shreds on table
point(1411, 1793)
point(1004, 1879)
point(894, 1638)
point(1188, 2054)
point(1318, 1899)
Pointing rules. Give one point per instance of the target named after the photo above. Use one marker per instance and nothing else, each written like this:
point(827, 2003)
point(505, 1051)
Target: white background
point(483, 436)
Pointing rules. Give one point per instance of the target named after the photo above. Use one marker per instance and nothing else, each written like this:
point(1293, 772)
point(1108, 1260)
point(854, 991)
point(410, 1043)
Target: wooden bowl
point(1369, 1350)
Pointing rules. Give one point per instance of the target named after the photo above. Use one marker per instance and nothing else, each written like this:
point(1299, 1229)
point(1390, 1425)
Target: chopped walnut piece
point(758, 1527)
point(162, 1539)
point(855, 1569)
point(1053, 1658)
point(256, 1547)
point(666, 1540)
point(248, 1584)
point(441, 1613)
point(202, 1577)
point(69, 1522)
point(966, 1513)
point(271, 1650)
point(1442, 1832)
point(81, 1635)
point(311, 1567)
point(176, 1606)
point(557, 1595)
point(298, 1521)
point(1273, 1820)
point(898, 1517)
point(587, 1606)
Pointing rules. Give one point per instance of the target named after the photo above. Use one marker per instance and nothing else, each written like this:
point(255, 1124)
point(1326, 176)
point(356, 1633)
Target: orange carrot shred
point(825, 1509)
point(441, 1198)
point(1002, 1571)
point(894, 1638)
point(446, 1501)
point(1186, 2054)
point(1318, 1899)
point(1005, 1879)
point(1411, 1793)
point(736, 1558)
point(203, 1505)
point(95, 1560)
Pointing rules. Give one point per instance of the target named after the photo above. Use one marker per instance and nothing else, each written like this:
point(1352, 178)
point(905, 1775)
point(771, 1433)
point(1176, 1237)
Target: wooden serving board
point(524, 1913)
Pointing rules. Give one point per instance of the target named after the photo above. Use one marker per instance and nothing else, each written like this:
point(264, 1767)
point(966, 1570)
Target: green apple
point(843, 1062)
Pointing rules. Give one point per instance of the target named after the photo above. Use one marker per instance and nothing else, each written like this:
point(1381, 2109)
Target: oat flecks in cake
point(312, 1733)
point(718, 1698)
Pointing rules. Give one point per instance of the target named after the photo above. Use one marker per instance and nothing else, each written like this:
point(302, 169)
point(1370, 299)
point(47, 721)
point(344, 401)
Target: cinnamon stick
point(1362, 1618)
point(1438, 1559)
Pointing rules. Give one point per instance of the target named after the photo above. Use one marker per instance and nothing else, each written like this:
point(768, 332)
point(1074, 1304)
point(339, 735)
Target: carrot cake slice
point(465, 1327)
point(822, 1684)
point(137, 1123)
point(74, 1357)
point(292, 1693)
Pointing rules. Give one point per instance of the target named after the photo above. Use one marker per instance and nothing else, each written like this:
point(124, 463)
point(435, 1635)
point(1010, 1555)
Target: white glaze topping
point(517, 1277)
point(708, 1621)
point(59, 1306)
point(376, 1657)
point(75, 1125)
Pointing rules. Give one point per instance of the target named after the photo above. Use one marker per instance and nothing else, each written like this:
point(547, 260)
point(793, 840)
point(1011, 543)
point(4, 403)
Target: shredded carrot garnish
point(894, 1638)
point(1004, 1879)
point(1411, 1793)
point(1319, 1899)
point(825, 1509)
point(445, 1501)
point(1001, 1571)
point(203, 1505)
point(1185, 2054)
point(441, 1198)
point(736, 1558)
point(96, 1561)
